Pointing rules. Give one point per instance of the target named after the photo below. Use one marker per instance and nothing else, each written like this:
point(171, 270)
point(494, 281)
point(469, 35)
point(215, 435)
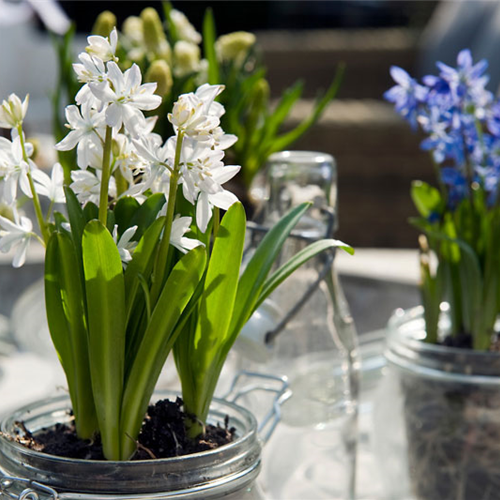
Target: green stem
point(36, 200)
point(121, 183)
point(106, 174)
point(161, 258)
point(216, 223)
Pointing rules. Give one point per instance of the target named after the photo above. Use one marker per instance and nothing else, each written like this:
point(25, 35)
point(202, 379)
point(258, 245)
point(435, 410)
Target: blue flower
point(467, 82)
point(406, 95)
point(457, 186)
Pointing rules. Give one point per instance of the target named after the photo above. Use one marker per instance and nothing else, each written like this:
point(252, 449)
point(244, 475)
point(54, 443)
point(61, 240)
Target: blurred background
point(377, 154)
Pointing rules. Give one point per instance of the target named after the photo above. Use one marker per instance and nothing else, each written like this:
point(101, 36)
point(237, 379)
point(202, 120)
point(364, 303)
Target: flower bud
point(13, 111)
point(132, 29)
point(261, 92)
point(159, 72)
point(184, 29)
point(234, 47)
point(6, 211)
point(115, 148)
point(186, 58)
point(152, 29)
point(104, 23)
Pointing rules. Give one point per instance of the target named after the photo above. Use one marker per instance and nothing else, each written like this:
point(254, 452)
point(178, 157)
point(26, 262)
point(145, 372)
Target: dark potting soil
point(461, 340)
point(163, 435)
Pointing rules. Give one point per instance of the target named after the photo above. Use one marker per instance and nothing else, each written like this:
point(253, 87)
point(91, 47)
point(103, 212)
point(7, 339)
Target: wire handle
point(31, 489)
point(275, 384)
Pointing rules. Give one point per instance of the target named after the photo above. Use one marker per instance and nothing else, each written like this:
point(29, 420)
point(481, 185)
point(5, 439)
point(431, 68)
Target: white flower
point(126, 158)
point(185, 30)
point(14, 234)
point(180, 226)
point(90, 69)
point(151, 149)
point(221, 199)
point(13, 111)
point(202, 176)
point(192, 113)
point(87, 186)
point(207, 93)
point(186, 58)
point(103, 47)
point(86, 131)
point(221, 140)
point(13, 168)
point(52, 186)
point(126, 97)
point(124, 245)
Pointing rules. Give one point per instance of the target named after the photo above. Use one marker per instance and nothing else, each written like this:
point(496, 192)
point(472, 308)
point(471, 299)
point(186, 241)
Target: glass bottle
point(305, 331)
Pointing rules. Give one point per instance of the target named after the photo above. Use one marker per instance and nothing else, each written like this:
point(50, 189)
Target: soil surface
point(462, 340)
point(162, 435)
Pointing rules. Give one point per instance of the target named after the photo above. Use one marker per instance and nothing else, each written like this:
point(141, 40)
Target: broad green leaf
point(147, 213)
point(427, 199)
point(294, 263)
point(209, 36)
point(255, 274)
point(90, 211)
point(65, 304)
point(105, 292)
point(215, 310)
point(56, 316)
point(142, 262)
point(124, 211)
point(76, 218)
point(157, 343)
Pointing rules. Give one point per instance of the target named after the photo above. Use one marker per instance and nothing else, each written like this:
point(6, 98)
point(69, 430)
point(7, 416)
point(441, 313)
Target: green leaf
point(157, 343)
point(282, 142)
point(147, 213)
point(209, 36)
point(282, 110)
point(427, 199)
point(255, 274)
point(124, 211)
point(105, 292)
point(65, 304)
point(142, 262)
point(294, 263)
point(215, 311)
point(172, 30)
point(90, 211)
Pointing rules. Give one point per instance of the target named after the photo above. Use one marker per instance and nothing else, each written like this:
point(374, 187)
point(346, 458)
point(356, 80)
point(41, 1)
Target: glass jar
point(439, 424)
point(305, 332)
point(228, 472)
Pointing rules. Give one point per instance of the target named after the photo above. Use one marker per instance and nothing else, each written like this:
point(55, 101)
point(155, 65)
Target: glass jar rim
point(406, 349)
point(238, 461)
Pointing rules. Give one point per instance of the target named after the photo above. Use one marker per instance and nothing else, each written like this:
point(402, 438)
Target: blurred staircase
point(377, 154)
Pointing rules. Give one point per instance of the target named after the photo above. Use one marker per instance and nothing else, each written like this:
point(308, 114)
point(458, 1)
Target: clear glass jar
point(439, 424)
point(305, 332)
point(228, 472)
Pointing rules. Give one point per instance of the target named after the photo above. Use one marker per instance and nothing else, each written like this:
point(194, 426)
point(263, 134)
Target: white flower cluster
point(108, 119)
point(17, 170)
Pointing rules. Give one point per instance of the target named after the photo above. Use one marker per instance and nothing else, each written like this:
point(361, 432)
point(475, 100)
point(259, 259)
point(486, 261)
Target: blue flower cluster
point(461, 119)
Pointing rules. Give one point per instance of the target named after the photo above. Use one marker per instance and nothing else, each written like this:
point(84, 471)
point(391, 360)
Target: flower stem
point(121, 183)
point(106, 174)
point(161, 258)
point(36, 200)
